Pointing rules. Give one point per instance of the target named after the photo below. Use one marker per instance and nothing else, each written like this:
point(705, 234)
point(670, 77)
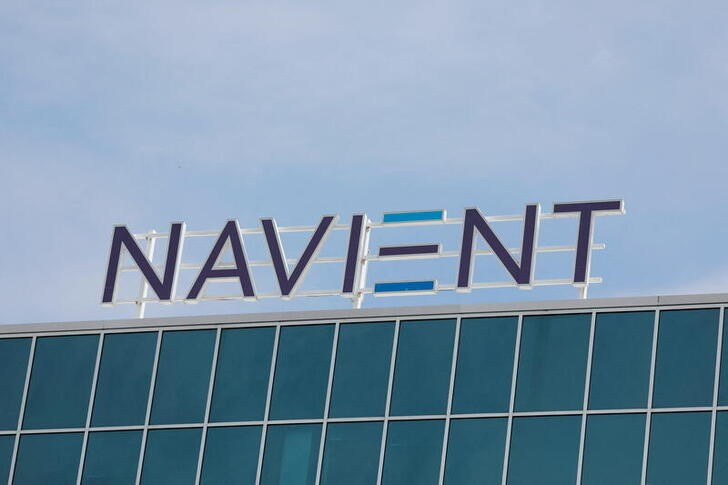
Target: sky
point(208, 111)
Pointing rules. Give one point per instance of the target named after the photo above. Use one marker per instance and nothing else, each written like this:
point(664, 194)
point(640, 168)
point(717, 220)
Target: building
point(587, 391)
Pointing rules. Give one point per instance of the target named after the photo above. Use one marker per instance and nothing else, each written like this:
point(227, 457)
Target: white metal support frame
point(451, 392)
point(211, 386)
point(587, 390)
point(650, 394)
point(512, 402)
point(716, 389)
point(89, 412)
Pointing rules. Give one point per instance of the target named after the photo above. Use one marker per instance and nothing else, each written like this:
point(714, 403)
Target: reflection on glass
point(351, 453)
point(621, 360)
point(112, 457)
point(170, 456)
point(13, 366)
point(544, 450)
point(362, 369)
point(678, 448)
point(475, 451)
point(422, 370)
point(552, 364)
point(48, 458)
point(485, 365)
point(413, 453)
point(231, 455)
point(686, 347)
point(241, 377)
point(291, 454)
point(613, 449)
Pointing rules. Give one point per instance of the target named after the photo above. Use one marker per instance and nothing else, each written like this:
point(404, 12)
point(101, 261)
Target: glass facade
point(631, 395)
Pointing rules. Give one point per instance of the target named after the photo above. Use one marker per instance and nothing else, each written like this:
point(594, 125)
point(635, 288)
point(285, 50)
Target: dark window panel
point(242, 373)
point(475, 451)
point(48, 458)
point(621, 360)
point(112, 458)
point(686, 348)
point(125, 373)
point(291, 454)
point(723, 394)
point(6, 455)
point(183, 377)
point(351, 453)
point(170, 456)
point(485, 365)
point(361, 375)
point(552, 364)
point(413, 452)
point(231, 455)
point(422, 369)
point(720, 455)
point(302, 372)
point(544, 450)
point(60, 382)
point(678, 448)
point(614, 449)
point(14, 354)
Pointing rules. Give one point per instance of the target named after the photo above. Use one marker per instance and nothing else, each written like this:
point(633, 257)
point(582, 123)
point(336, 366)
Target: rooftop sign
point(290, 273)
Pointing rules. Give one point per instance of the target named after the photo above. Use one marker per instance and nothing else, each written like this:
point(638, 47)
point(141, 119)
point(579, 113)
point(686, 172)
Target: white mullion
point(324, 424)
point(512, 403)
point(451, 390)
point(716, 388)
point(388, 404)
point(587, 384)
point(266, 413)
point(150, 399)
point(21, 413)
point(89, 412)
point(210, 387)
point(650, 394)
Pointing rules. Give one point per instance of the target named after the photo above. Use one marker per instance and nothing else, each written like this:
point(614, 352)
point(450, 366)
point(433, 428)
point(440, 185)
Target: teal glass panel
point(48, 458)
point(291, 454)
point(13, 368)
point(125, 373)
point(60, 382)
point(351, 453)
point(621, 361)
point(720, 456)
point(475, 451)
point(678, 448)
point(183, 377)
point(302, 372)
point(413, 452)
point(231, 455)
point(112, 458)
point(544, 450)
point(686, 348)
point(723, 390)
point(422, 370)
point(361, 376)
point(613, 449)
point(485, 365)
point(552, 364)
point(241, 377)
point(6, 455)
point(170, 456)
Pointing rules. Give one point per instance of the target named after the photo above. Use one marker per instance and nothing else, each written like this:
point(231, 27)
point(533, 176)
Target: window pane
point(60, 382)
point(183, 376)
point(422, 372)
point(552, 366)
point(241, 377)
point(124, 375)
point(351, 454)
point(361, 376)
point(13, 367)
point(413, 453)
point(48, 458)
point(720, 456)
point(613, 449)
point(485, 365)
point(171, 456)
point(686, 347)
point(723, 394)
point(291, 454)
point(621, 361)
point(112, 458)
point(302, 372)
point(6, 455)
point(678, 448)
point(544, 450)
point(231, 455)
point(475, 451)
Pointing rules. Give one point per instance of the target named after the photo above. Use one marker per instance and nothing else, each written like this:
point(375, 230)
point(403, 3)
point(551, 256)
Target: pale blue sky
point(204, 111)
